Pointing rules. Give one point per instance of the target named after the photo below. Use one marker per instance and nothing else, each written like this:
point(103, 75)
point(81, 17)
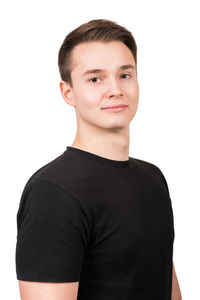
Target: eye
point(92, 79)
point(95, 79)
point(126, 74)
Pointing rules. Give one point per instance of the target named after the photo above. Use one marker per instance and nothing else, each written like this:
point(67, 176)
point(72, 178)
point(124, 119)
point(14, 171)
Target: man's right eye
point(93, 79)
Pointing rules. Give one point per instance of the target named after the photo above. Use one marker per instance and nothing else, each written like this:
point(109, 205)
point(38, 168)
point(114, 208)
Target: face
point(113, 81)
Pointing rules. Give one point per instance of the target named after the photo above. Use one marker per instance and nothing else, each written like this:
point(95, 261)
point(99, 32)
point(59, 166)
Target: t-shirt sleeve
point(164, 181)
point(52, 234)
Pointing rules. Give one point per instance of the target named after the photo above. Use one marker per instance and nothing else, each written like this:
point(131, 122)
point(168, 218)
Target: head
point(111, 52)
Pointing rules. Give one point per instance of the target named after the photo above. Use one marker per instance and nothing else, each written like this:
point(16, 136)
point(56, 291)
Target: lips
point(115, 106)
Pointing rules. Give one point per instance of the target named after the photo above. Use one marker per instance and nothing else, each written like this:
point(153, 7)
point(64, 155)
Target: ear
point(66, 92)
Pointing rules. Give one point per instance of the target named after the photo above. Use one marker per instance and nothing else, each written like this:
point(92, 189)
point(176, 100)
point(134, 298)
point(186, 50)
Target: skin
point(108, 131)
point(176, 292)
point(30, 290)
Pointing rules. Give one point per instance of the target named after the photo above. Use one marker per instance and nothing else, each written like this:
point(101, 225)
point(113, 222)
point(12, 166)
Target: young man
point(95, 223)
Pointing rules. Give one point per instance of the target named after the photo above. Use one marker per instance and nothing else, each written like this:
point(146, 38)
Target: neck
point(108, 143)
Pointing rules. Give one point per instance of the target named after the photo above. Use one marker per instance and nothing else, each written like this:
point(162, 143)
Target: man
point(95, 223)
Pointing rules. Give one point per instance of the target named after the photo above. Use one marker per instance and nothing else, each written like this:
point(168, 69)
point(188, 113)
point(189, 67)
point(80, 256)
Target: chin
point(116, 126)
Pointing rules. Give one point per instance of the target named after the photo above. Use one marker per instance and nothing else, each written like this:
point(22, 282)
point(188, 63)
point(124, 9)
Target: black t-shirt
point(105, 223)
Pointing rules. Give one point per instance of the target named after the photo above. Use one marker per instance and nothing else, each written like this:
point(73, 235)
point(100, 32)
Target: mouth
point(117, 108)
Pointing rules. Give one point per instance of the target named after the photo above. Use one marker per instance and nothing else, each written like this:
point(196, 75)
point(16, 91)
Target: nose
point(113, 88)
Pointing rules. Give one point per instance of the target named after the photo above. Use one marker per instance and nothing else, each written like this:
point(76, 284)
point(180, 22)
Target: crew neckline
point(100, 159)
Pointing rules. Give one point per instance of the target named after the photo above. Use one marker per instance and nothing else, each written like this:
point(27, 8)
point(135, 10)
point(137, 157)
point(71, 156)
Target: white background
point(37, 125)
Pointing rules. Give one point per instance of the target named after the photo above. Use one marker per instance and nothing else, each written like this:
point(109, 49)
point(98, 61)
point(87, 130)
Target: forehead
point(101, 55)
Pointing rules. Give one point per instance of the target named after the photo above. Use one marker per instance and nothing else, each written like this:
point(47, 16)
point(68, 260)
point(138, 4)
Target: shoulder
point(146, 165)
point(45, 204)
point(41, 196)
point(55, 188)
point(153, 170)
point(52, 173)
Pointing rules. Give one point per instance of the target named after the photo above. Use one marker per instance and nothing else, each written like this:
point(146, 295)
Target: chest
point(129, 216)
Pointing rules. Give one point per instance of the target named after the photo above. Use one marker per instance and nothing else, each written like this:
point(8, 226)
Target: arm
point(48, 290)
point(176, 293)
point(51, 242)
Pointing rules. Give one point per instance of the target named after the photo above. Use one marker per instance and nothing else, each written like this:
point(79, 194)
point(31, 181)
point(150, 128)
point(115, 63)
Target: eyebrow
point(94, 71)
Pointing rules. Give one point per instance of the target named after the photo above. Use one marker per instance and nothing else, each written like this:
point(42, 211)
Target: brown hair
point(94, 30)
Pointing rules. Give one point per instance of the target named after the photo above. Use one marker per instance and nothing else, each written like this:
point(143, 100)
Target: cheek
point(90, 97)
point(87, 99)
point(133, 93)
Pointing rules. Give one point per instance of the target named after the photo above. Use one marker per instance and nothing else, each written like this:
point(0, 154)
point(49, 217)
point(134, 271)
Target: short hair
point(94, 30)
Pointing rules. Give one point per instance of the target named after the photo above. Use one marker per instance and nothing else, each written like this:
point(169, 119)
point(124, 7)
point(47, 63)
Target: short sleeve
point(165, 181)
point(165, 184)
point(52, 234)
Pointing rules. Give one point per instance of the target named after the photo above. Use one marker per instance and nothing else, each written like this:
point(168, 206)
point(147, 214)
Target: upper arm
point(48, 290)
point(176, 292)
point(51, 242)
point(174, 278)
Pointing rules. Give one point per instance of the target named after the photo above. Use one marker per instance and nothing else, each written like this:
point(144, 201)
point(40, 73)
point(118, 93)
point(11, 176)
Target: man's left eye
point(126, 74)
point(92, 79)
